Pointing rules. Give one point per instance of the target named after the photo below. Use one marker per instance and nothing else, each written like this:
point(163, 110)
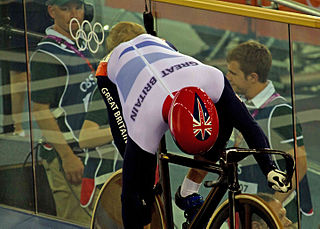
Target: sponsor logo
point(87, 83)
point(88, 39)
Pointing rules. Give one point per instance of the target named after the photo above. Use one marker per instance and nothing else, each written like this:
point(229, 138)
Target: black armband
point(110, 96)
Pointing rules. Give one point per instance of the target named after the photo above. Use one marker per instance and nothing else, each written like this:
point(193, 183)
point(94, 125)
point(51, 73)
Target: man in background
point(36, 21)
point(62, 83)
point(249, 64)
point(102, 157)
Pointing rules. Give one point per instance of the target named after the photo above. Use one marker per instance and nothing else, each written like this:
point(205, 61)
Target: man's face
point(62, 16)
point(237, 79)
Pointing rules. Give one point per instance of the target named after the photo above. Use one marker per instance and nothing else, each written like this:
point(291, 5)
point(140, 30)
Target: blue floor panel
point(12, 219)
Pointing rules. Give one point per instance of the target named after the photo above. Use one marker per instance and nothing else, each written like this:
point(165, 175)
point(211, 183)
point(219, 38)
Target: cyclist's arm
point(111, 98)
point(249, 128)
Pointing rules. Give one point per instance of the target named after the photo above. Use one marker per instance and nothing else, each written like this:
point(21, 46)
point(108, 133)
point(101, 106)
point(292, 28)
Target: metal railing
point(298, 7)
point(249, 11)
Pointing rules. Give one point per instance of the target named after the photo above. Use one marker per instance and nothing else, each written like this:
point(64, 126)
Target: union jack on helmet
point(193, 120)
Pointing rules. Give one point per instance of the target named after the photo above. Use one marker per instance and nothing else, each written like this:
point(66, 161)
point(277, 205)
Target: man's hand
point(73, 168)
point(277, 180)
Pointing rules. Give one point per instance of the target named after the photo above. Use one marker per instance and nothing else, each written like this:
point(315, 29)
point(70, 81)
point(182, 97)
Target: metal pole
point(298, 7)
point(294, 118)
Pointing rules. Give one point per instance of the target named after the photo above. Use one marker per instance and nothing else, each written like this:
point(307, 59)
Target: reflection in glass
point(107, 212)
point(16, 173)
point(306, 70)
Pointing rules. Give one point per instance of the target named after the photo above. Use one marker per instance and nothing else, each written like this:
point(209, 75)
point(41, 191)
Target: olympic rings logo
point(86, 38)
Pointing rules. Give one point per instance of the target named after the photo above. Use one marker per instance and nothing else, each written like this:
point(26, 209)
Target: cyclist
point(138, 78)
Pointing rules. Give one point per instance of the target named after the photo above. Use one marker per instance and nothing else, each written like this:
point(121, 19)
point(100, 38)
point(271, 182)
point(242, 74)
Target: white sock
point(189, 187)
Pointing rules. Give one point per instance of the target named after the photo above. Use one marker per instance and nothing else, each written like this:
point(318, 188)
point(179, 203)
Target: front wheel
point(250, 211)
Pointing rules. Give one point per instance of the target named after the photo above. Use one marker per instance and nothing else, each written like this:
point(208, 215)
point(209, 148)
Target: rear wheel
point(250, 210)
point(107, 210)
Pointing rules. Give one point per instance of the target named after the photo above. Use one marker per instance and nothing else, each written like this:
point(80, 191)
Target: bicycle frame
point(214, 197)
point(227, 181)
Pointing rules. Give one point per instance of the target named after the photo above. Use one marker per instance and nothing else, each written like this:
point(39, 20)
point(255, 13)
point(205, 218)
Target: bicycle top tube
point(192, 163)
point(230, 155)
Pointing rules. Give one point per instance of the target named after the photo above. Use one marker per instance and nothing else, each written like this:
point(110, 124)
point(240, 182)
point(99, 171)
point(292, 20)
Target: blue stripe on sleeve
point(145, 44)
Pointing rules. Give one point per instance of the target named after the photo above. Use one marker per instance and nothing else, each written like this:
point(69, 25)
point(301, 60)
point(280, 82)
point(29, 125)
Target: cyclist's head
point(122, 32)
point(193, 120)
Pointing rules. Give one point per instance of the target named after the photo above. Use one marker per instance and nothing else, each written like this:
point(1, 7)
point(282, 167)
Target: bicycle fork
point(211, 203)
point(228, 181)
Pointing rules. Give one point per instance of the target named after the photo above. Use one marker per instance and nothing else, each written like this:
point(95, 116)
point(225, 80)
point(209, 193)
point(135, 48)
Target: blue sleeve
point(235, 111)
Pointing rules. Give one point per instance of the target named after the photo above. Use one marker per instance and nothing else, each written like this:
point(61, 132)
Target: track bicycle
point(238, 211)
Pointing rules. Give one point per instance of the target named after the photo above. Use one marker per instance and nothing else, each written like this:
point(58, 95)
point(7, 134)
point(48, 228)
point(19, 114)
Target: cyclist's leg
point(137, 187)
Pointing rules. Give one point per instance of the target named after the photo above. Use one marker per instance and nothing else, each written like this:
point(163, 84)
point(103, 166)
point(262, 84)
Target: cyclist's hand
point(277, 181)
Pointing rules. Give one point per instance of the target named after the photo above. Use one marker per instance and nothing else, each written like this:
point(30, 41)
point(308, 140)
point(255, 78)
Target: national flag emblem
point(202, 124)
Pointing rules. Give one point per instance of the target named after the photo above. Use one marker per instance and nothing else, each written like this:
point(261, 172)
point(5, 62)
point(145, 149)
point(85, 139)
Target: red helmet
point(193, 120)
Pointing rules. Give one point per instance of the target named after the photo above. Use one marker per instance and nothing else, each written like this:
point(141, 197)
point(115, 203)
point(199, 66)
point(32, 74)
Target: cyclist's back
point(142, 94)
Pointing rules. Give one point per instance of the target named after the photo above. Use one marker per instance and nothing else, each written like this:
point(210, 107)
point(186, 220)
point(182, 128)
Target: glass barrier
point(16, 169)
point(209, 37)
point(70, 122)
point(306, 80)
point(57, 100)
